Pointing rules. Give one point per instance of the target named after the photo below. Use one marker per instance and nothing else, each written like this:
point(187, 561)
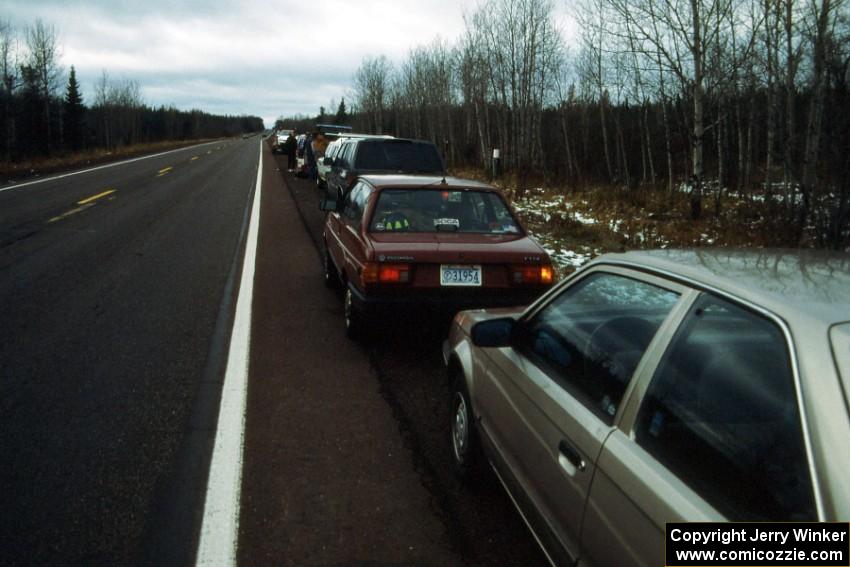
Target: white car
point(280, 140)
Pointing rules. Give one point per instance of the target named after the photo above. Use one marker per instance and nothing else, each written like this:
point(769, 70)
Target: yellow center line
point(165, 170)
point(69, 213)
point(96, 197)
point(193, 158)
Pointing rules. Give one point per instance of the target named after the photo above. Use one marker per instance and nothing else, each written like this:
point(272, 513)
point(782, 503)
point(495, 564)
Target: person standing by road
point(309, 158)
point(290, 146)
point(319, 144)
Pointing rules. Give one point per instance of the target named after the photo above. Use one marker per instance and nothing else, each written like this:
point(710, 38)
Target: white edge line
point(113, 164)
point(220, 527)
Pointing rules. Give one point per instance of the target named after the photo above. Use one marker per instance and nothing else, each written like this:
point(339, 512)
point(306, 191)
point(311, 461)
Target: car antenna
point(443, 182)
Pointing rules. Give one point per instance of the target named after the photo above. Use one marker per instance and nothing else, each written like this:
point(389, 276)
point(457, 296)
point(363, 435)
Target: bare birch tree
point(372, 86)
point(43, 60)
point(9, 83)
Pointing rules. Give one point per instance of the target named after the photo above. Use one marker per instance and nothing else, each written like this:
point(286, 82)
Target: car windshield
point(440, 210)
point(399, 155)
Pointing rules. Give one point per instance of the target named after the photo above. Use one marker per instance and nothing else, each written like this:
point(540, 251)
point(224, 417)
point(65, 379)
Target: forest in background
point(711, 101)
point(43, 113)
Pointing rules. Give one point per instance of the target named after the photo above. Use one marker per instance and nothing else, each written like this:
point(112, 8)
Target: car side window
point(348, 205)
point(354, 203)
point(591, 337)
point(721, 413)
point(360, 202)
point(340, 160)
point(348, 156)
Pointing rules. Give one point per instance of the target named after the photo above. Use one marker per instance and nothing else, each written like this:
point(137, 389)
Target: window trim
point(641, 381)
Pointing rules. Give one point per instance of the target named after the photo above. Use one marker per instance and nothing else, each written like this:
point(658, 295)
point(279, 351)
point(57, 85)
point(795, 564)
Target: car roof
point(813, 285)
point(402, 181)
point(356, 136)
point(372, 138)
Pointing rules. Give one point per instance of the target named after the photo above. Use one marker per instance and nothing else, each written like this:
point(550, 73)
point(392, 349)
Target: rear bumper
point(440, 302)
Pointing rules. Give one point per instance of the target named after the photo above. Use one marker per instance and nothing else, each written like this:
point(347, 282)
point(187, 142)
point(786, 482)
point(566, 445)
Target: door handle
point(567, 453)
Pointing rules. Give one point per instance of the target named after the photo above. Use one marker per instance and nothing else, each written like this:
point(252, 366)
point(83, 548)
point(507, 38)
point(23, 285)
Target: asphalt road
point(108, 340)
point(117, 295)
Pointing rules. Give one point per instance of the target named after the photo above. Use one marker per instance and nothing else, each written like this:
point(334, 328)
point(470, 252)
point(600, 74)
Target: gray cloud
point(266, 58)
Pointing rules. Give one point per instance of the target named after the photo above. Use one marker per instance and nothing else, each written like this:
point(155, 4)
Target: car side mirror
point(494, 332)
point(327, 161)
point(328, 205)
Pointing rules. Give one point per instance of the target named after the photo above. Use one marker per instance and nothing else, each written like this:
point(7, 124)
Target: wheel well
point(454, 370)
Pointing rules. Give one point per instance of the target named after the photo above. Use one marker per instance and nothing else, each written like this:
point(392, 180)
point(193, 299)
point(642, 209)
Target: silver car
point(655, 387)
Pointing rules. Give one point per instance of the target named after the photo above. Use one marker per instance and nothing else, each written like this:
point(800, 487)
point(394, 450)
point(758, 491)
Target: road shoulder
point(327, 478)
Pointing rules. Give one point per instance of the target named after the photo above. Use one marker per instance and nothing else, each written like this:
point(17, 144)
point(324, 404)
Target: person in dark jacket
point(309, 158)
point(290, 146)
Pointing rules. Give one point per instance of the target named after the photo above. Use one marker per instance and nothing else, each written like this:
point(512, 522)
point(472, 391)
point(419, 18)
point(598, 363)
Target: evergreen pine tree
point(74, 111)
point(341, 115)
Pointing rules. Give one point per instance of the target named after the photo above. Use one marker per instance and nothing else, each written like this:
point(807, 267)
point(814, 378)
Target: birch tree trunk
point(813, 129)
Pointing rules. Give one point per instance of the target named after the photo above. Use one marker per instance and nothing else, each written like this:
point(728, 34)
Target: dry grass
point(592, 221)
point(40, 166)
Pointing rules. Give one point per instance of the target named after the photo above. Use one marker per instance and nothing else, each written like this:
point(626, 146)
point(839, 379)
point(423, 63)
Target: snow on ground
point(538, 210)
point(564, 259)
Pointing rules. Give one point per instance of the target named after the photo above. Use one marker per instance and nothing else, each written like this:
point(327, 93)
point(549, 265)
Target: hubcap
point(459, 427)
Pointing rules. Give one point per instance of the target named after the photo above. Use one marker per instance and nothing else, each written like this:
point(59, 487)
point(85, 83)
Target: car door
point(332, 176)
point(330, 154)
point(335, 231)
point(352, 220)
point(717, 436)
point(548, 403)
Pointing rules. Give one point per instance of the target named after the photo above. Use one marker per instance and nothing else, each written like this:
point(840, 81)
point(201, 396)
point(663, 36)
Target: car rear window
point(399, 155)
point(436, 210)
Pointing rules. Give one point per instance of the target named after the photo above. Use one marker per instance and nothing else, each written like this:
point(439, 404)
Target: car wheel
point(466, 453)
point(331, 275)
point(353, 318)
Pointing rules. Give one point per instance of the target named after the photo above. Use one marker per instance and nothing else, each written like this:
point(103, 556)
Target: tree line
point(702, 97)
point(43, 113)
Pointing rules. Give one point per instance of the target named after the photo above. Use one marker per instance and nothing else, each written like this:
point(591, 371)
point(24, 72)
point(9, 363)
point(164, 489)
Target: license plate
point(460, 275)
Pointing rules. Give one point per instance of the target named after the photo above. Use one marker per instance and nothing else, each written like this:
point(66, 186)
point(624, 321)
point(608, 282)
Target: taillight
point(531, 275)
point(385, 273)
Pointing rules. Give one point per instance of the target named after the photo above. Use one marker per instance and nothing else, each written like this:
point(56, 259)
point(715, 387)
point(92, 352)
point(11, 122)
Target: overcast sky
point(264, 58)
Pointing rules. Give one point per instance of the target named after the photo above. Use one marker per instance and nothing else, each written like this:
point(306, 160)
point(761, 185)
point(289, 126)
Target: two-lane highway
point(112, 325)
point(131, 296)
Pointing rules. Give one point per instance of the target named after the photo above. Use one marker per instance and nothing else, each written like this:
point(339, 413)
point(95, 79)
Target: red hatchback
point(430, 243)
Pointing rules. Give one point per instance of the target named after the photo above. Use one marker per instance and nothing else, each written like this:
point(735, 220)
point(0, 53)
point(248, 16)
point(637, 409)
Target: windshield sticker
point(510, 228)
point(455, 197)
point(447, 222)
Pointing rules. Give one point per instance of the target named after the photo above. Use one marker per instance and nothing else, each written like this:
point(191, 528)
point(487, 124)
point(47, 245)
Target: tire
point(353, 317)
point(466, 451)
point(331, 275)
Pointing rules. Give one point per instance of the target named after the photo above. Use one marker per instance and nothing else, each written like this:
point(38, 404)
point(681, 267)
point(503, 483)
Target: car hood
point(445, 247)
